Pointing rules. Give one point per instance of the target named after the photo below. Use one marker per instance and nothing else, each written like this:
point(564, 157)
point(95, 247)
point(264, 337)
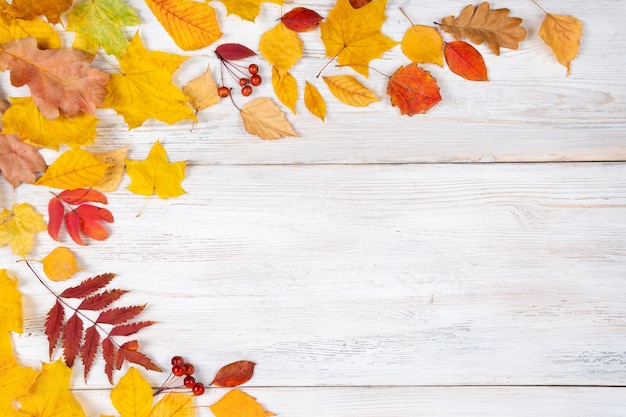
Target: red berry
point(253, 69)
point(198, 388)
point(189, 369)
point(177, 360)
point(246, 91)
point(189, 381)
point(178, 369)
point(243, 81)
point(256, 80)
point(223, 91)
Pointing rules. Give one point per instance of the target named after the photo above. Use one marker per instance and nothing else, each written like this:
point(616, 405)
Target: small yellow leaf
point(132, 396)
point(423, 45)
point(174, 405)
point(562, 34)
point(263, 118)
point(286, 88)
point(237, 403)
point(246, 9)
point(156, 175)
point(202, 91)
point(75, 168)
point(113, 175)
point(11, 318)
point(350, 91)
point(60, 264)
point(281, 47)
point(19, 226)
point(314, 101)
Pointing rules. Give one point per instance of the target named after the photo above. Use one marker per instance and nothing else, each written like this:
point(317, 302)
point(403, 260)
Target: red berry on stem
point(197, 389)
point(178, 369)
point(189, 381)
point(177, 360)
point(253, 69)
point(223, 91)
point(243, 81)
point(189, 369)
point(246, 91)
point(256, 80)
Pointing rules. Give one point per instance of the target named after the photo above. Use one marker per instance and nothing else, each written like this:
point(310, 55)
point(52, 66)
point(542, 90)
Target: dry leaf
point(202, 91)
point(237, 403)
point(314, 101)
point(562, 34)
point(19, 162)
point(19, 226)
point(116, 161)
point(174, 405)
point(47, 37)
point(263, 118)
point(132, 396)
point(301, 19)
point(156, 175)
point(481, 24)
point(234, 374)
point(60, 264)
point(29, 9)
point(11, 314)
point(413, 90)
point(286, 88)
point(75, 168)
point(350, 91)
point(281, 47)
point(465, 60)
point(246, 9)
point(423, 45)
point(357, 4)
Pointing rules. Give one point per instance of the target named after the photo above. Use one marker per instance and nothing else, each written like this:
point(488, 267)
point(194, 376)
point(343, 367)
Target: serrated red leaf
point(83, 195)
point(465, 60)
point(108, 353)
point(301, 19)
point(94, 213)
point(93, 229)
point(119, 315)
point(55, 217)
point(413, 90)
point(234, 374)
point(89, 348)
point(99, 301)
point(88, 286)
point(54, 325)
point(72, 335)
point(130, 328)
point(129, 351)
point(233, 52)
point(72, 222)
point(357, 4)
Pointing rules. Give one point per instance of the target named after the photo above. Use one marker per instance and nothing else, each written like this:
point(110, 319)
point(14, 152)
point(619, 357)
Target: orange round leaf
point(413, 90)
point(465, 60)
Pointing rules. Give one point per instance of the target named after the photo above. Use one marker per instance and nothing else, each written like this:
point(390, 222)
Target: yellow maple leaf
point(246, 9)
point(285, 87)
point(60, 264)
point(19, 226)
point(75, 168)
point(202, 91)
point(314, 101)
point(46, 36)
point(116, 160)
point(282, 47)
point(191, 24)
point(423, 45)
point(353, 35)
point(11, 319)
point(24, 119)
point(156, 175)
point(562, 34)
point(350, 91)
point(145, 90)
point(263, 118)
point(237, 403)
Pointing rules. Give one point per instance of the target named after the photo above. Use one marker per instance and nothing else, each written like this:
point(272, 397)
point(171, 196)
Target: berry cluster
point(239, 75)
point(185, 370)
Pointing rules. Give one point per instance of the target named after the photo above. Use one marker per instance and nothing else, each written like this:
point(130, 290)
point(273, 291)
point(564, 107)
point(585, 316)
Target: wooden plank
point(367, 275)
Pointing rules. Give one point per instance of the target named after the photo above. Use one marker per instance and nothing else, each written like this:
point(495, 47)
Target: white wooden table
point(466, 262)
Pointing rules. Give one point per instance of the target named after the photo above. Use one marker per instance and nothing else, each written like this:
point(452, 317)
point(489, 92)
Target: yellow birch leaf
point(192, 25)
point(132, 396)
point(246, 9)
point(202, 91)
point(314, 101)
point(562, 34)
point(282, 47)
point(19, 226)
point(174, 405)
point(156, 175)
point(75, 168)
point(11, 316)
point(423, 45)
point(46, 36)
point(350, 91)
point(263, 118)
point(113, 175)
point(24, 119)
point(237, 403)
point(60, 264)
point(286, 88)
point(50, 395)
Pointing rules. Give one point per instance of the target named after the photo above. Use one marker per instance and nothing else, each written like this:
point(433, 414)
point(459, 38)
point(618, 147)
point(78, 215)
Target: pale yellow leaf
point(46, 36)
point(132, 396)
point(423, 45)
point(314, 101)
point(174, 405)
point(19, 226)
point(60, 264)
point(562, 34)
point(75, 168)
point(202, 91)
point(350, 91)
point(11, 315)
point(286, 88)
point(115, 172)
point(281, 47)
point(263, 118)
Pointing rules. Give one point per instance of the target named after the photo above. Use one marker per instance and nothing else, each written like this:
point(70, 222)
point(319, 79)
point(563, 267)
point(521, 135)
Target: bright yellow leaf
point(19, 226)
point(15, 381)
point(423, 45)
point(174, 405)
point(350, 91)
point(246, 9)
point(263, 118)
point(562, 34)
point(286, 88)
point(353, 35)
point(50, 395)
point(282, 47)
point(314, 101)
point(202, 91)
point(132, 396)
point(11, 318)
point(60, 264)
point(156, 175)
point(145, 90)
point(75, 168)
point(112, 178)
point(24, 119)
point(46, 36)
point(191, 24)
point(237, 403)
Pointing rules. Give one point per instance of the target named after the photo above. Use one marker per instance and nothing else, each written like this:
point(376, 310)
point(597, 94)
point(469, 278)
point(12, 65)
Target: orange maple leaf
point(29, 9)
point(413, 90)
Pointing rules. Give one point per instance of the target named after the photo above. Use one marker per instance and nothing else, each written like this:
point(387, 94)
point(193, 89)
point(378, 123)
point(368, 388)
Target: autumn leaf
point(47, 37)
point(19, 162)
point(116, 161)
point(11, 315)
point(75, 168)
point(99, 23)
point(562, 34)
point(202, 91)
point(465, 60)
point(191, 24)
point(28, 9)
point(60, 80)
point(246, 9)
point(263, 118)
point(353, 35)
point(350, 91)
point(60, 264)
point(281, 47)
point(314, 101)
point(237, 403)
point(481, 24)
point(234, 374)
point(233, 52)
point(145, 90)
point(286, 88)
point(413, 90)
point(156, 175)
point(423, 45)
point(19, 226)
point(301, 19)
point(357, 4)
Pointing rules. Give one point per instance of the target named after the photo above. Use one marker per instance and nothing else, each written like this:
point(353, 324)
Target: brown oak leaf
point(19, 162)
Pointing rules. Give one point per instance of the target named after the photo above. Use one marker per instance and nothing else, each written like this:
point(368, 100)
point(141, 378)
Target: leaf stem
point(329, 62)
point(540, 7)
point(407, 16)
point(144, 205)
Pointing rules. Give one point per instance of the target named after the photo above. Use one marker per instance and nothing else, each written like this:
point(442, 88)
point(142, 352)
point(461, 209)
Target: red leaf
point(301, 19)
point(88, 286)
point(55, 217)
point(82, 195)
point(94, 213)
point(100, 301)
point(119, 315)
point(413, 90)
point(73, 333)
point(465, 60)
point(93, 229)
point(129, 351)
point(72, 222)
point(54, 324)
point(357, 4)
point(233, 52)
point(131, 328)
point(89, 349)
point(234, 374)
point(108, 353)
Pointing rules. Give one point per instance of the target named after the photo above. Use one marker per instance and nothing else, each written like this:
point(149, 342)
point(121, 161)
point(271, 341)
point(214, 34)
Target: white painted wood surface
point(363, 271)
